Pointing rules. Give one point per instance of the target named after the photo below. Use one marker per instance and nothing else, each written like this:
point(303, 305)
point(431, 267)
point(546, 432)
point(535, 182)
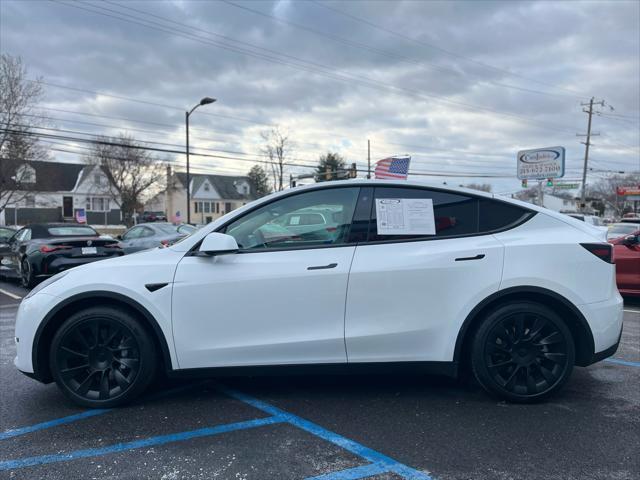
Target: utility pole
point(368, 159)
point(586, 149)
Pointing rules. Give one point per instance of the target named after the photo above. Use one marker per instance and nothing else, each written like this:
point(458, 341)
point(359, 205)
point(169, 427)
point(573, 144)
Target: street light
point(204, 101)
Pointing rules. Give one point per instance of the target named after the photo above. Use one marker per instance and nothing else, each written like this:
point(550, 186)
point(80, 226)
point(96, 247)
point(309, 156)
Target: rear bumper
point(605, 322)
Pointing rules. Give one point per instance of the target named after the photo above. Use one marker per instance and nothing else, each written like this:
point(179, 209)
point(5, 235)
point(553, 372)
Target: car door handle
point(480, 256)
point(323, 267)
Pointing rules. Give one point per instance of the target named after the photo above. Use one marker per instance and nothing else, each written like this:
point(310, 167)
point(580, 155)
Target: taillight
point(53, 248)
point(112, 245)
point(604, 251)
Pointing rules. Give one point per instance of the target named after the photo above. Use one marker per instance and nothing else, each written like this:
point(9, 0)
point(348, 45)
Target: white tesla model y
point(348, 275)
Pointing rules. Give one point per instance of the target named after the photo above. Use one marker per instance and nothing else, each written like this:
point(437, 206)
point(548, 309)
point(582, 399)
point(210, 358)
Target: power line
point(301, 64)
point(378, 51)
point(436, 47)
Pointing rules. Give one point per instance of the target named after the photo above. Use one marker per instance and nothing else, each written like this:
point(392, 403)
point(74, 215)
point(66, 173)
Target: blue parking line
point(52, 423)
point(628, 363)
point(146, 442)
point(355, 473)
point(389, 464)
point(15, 432)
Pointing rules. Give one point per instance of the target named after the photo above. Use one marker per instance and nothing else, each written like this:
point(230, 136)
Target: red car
point(627, 257)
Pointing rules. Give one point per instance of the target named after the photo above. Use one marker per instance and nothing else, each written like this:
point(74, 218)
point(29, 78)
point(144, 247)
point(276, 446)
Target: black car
point(38, 251)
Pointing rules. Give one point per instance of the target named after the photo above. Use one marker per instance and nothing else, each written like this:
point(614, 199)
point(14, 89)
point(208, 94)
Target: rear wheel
point(27, 278)
point(102, 357)
point(523, 352)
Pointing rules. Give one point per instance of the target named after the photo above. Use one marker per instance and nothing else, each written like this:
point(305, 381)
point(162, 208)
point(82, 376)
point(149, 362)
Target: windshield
point(72, 231)
point(620, 230)
point(166, 228)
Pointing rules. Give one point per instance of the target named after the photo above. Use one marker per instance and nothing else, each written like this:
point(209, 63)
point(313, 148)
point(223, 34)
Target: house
point(54, 192)
point(559, 204)
point(211, 196)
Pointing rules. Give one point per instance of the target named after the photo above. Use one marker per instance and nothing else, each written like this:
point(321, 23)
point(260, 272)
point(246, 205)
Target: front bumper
point(31, 313)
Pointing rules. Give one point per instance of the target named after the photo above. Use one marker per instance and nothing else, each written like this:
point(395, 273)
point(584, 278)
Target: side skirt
point(449, 369)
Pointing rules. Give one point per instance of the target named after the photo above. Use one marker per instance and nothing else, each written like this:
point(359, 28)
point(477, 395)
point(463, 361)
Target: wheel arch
point(577, 324)
point(54, 319)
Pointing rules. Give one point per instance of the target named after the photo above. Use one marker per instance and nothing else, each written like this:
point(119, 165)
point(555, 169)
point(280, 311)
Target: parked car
point(6, 233)
point(627, 255)
point(516, 293)
point(631, 219)
point(153, 217)
point(590, 220)
point(617, 230)
point(38, 251)
point(150, 235)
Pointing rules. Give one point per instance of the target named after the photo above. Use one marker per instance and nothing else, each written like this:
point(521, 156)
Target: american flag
point(393, 167)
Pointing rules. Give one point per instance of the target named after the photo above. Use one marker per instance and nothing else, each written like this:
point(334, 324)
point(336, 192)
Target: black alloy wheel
point(523, 352)
point(102, 357)
point(26, 274)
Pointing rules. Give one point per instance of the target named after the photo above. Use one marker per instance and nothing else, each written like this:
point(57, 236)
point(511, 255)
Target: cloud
point(447, 98)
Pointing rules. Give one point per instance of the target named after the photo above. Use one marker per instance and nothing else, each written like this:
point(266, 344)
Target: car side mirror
point(630, 240)
point(218, 244)
point(119, 237)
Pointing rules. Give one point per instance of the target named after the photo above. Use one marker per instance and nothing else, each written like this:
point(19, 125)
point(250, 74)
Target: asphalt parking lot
point(330, 428)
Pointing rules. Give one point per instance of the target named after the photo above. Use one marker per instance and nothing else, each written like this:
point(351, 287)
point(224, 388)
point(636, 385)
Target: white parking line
point(630, 310)
point(10, 295)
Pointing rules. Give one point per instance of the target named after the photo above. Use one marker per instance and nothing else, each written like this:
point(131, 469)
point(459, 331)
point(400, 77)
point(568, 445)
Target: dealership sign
point(541, 163)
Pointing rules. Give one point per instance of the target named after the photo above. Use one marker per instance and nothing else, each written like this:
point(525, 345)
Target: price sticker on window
point(405, 216)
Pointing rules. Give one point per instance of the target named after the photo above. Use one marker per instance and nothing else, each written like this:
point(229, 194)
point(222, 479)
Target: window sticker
point(294, 220)
point(405, 216)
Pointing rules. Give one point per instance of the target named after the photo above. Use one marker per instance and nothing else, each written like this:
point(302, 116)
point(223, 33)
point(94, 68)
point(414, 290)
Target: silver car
point(150, 235)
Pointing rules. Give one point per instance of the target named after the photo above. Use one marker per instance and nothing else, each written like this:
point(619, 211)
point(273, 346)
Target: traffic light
point(549, 182)
point(524, 183)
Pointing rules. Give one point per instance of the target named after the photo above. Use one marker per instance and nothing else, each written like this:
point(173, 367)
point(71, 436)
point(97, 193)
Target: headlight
point(45, 284)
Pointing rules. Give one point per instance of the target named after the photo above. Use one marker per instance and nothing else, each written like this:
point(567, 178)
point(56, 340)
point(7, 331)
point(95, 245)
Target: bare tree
point(131, 170)
point(604, 190)
point(18, 98)
point(277, 148)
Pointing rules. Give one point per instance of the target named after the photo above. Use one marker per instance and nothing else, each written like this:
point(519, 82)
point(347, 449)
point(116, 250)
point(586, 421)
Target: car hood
point(125, 274)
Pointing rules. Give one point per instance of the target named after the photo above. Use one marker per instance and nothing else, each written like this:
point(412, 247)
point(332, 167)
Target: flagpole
point(368, 159)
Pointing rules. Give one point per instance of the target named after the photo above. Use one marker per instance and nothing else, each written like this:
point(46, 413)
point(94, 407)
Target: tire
point(102, 357)
point(522, 352)
point(27, 280)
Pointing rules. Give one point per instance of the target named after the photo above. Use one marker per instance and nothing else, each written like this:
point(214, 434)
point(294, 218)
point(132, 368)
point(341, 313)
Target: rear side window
point(455, 214)
point(497, 215)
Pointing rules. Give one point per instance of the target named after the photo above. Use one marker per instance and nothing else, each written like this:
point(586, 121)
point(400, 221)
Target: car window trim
point(222, 228)
point(526, 216)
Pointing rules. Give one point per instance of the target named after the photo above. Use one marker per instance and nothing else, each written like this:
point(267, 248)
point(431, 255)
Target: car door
point(628, 264)
point(408, 294)
point(18, 248)
point(280, 300)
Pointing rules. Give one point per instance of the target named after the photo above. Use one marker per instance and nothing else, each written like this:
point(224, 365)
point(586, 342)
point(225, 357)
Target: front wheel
point(102, 357)
point(522, 352)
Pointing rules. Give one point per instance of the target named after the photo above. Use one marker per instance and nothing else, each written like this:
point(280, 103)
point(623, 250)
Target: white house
point(211, 196)
point(53, 192)
point(559, 204)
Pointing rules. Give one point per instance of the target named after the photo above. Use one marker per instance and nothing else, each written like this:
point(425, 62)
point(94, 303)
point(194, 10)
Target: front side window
point(316, 218)
point(454, 214)
point(132, 234)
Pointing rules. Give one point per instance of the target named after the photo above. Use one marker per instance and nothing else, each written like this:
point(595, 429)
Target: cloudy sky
point(461, 86)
